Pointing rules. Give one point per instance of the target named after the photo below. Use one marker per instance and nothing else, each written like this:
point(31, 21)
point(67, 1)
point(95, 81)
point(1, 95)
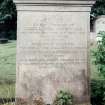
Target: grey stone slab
point(99, 24)
point(52, 50)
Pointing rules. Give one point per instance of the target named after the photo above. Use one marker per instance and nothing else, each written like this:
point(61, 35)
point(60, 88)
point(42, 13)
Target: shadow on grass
point(6, 100)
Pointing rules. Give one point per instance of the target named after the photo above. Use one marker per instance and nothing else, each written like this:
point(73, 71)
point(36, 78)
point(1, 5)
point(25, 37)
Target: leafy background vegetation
point(98, 84)
point(8, 17)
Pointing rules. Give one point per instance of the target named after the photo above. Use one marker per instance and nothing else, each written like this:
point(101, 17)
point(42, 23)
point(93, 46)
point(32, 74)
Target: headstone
point(52, 49)
point(99, 24)
point(93, 38)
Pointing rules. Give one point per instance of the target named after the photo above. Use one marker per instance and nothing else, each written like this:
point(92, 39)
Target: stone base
point(24, 101)
point(36, 101)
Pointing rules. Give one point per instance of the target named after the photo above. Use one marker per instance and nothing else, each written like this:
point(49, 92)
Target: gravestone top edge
point(70, 2)
point(99, 17)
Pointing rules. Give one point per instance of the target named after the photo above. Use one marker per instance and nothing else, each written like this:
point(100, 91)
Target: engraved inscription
point(52, 54)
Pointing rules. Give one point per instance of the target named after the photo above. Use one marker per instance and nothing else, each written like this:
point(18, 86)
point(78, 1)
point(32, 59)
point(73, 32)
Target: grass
point(7, 90)
point(8, 104)
point(7, 69)
point(7, 62)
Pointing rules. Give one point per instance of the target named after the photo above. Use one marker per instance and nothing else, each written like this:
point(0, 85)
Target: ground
point(7, 61)
point(8, 69)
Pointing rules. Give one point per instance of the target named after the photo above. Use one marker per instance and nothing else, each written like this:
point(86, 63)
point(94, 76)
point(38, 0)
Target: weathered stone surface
point(99, 24)
point(52, 49)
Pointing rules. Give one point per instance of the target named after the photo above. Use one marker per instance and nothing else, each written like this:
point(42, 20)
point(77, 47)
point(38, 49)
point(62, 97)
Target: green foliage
point(8, 18)
point(99, 54)
point(63, 98)
point(7, 11)
point(98, 92)
point(97, 9)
